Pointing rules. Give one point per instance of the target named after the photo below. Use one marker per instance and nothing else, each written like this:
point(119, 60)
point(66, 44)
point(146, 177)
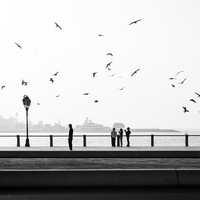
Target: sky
point(164, 42)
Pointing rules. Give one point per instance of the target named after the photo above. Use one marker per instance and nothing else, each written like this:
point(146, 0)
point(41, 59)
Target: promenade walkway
point(52, 177)
point(100, 152)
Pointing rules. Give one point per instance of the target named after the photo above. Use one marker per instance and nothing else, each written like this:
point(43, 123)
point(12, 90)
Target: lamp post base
point(27, 143)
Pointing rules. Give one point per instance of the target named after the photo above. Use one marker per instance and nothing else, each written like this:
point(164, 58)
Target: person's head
point(128, 128)
point(70, 125)
point(113, 129)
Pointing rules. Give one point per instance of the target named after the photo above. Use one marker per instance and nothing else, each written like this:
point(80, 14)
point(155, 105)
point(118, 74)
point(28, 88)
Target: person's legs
point(113, 142)
point(70, 145)
point(121, 140)
point(128, 141)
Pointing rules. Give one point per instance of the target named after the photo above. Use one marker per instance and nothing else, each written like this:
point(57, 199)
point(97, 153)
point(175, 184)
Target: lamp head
point(26, 101)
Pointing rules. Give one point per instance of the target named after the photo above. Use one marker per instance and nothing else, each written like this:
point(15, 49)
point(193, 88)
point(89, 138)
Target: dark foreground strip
point(98, 178)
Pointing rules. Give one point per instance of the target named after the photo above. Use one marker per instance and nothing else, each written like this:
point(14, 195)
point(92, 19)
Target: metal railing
point(84, 137)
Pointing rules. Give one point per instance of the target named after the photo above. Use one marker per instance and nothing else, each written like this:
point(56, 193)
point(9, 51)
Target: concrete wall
point(98, 178)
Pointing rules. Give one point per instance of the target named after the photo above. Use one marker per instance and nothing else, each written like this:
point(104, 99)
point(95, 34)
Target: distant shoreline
point(154, 130)
point(65, 131)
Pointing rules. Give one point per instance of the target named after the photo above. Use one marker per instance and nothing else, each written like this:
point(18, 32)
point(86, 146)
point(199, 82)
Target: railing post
point(186, 140)
point(84, 140)
point(51, 140)
point(18, 141)
point(152, 140)
point(118, 137)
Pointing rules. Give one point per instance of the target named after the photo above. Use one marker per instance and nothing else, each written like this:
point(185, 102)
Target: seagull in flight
point(96, 101)
point(173, 85)
point(58, 26)
point(185, 110)
point(57, 95)
point(109, 68)
point(135, 72)
point(18, 45)
point(182, 81)
point(3, 86)
point(174, 78)
point(94, 73)
point(197, 94)
point(55, 74)
point(112, 75)
point(135, 22)
point(178, 73)
point(25, 83)
point(100, 35)
point(108, 64)
point(121, 88)
point(51, 80)
point(109, 54)
point(193, 100)
point(87, 93)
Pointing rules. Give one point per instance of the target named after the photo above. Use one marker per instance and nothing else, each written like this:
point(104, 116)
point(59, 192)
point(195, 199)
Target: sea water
point(100, 139)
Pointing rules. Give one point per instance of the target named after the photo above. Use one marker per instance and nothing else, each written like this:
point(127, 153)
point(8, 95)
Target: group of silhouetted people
point(121, 131)
point(113, 137)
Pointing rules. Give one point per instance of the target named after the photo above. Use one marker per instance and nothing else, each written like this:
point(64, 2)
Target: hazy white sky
point(164, 42)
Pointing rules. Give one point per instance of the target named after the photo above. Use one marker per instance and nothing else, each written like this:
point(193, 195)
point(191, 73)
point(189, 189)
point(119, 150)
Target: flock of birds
point(108, 67)
point(175, 78)
point(51, 79)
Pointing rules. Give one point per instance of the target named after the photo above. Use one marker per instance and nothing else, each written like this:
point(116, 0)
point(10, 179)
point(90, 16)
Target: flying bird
point(173, 85)
point(193, 100)
point(197, 94)
point(112, 75)
point(100, 35)
point(3, 86)
point(135, 22)
point(182, 81)
point(172, 78)
point(58, 26)
point(96, 101)
point(38, 104)
point(109, 68)
point(108, 64)
point(51, 80)
point(109, 54)
point(121, 88)
point(57, 95)
point(178, 73)
point(18, 45)
point(135, 72)
point(86, 93)
point(25, 83)
point(94, 73)
point(55, 74)
point(185, 110)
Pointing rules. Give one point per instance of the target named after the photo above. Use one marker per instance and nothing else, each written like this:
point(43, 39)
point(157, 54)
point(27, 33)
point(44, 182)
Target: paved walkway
point(34, 178)
point(100, 152)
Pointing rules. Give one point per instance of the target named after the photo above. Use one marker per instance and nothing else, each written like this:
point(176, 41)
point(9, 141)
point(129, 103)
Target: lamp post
point(27, 102)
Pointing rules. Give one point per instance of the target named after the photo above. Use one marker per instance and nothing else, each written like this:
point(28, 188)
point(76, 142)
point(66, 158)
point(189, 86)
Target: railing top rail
point(133, 135)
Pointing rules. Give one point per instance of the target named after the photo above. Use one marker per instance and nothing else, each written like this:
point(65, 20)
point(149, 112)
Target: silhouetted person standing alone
point(70, 137)
point(128, 132)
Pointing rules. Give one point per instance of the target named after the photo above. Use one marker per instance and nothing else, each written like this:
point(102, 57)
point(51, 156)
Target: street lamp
point(27, 102)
